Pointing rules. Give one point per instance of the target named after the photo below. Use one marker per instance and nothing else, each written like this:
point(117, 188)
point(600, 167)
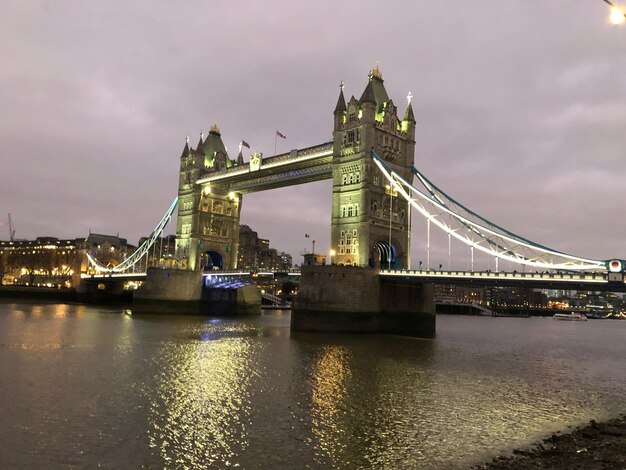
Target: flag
point(281, 135)
point(245, 144)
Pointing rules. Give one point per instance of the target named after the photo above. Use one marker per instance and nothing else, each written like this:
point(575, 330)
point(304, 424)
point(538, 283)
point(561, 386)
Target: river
point(85, 387)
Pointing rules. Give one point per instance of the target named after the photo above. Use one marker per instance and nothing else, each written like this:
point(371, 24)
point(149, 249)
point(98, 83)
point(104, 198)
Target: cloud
point(520, 111)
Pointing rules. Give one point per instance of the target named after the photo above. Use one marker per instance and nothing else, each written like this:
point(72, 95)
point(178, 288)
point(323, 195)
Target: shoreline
point(597, 445)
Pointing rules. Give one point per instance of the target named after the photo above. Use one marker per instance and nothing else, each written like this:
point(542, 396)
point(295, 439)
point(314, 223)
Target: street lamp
point(618, 16)
point(390, 190)
point(332, 253)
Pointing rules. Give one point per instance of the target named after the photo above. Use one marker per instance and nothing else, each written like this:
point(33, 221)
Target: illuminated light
point(207, 190)
point(617, 16)
point(332, 253)
point(360, 113)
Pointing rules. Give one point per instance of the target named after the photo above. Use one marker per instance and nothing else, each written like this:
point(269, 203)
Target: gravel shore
point(595, 446)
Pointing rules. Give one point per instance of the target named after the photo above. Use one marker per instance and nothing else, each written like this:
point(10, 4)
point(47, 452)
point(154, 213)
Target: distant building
point(255, 253)
point(518, 297)
point(286, 258)
point(45, 261)
point(503, 296)
point(448, 293)
point(162, 252)
point(109, 250)
point(52, 262)
point(314, 259)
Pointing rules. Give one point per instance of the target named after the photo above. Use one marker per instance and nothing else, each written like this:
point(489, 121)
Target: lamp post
point(332, 253)
point(390, 188)
point(618, 16)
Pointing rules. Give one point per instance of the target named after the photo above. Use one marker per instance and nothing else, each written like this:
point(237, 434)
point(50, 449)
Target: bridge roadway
point(574, 281)
point(140, 276)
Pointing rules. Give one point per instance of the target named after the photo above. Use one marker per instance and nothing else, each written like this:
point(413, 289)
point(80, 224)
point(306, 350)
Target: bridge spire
point(408, 114)
point(341, 101)
point(240, 155)
point(186, 149)
point(199, 147)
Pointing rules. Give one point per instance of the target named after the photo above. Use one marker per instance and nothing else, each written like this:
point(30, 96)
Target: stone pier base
point(356, 300)
point(183, 292)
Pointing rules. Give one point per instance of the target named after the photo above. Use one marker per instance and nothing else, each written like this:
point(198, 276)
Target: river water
point(87, 387)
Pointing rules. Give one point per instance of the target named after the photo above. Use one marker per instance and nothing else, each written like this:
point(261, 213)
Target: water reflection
point(89, 387)
point(199, 415)
point(330, 373)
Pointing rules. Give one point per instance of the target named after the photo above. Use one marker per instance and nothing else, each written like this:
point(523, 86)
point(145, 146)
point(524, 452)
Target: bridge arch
point(212, 260)
point(384, 255)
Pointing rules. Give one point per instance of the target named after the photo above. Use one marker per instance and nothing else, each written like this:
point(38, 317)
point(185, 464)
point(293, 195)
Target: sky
point(520, 109)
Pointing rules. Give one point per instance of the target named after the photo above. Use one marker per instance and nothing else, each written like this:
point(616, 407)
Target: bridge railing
point(495, 275)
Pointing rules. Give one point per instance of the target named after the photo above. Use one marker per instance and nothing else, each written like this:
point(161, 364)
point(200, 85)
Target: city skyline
point(522, 128)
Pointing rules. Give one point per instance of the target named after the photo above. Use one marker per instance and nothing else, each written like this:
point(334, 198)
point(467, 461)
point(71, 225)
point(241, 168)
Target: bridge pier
point(347, 299)
point(101, 290)
point(183, 292)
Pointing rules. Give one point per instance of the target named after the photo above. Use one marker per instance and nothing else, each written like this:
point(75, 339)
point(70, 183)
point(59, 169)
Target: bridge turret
point(207, 231)
point(240, 155)
point(364, 211)
point(340, 108)
point(408, 123)
point(215, 153)
point(185, 149)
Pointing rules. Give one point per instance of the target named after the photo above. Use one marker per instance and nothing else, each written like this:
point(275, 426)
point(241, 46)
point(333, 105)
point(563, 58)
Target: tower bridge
point(369, 223)
point(375, 189)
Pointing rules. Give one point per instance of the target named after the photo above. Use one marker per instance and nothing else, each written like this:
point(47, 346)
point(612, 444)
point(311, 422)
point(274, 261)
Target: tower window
point(350, 210)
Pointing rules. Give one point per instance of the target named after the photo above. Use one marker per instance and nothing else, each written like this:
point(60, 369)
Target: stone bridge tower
point(207, 231)
point(366, 213)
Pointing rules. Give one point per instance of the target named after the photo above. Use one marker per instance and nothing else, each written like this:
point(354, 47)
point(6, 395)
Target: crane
point(11, 231)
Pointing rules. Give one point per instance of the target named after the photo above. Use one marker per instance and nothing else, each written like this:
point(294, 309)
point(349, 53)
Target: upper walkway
point(287, 169)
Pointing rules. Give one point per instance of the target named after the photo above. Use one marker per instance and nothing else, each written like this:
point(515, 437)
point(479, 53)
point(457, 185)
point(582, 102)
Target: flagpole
point(275, 137)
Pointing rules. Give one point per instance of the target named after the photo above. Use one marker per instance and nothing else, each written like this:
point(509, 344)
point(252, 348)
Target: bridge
point(376, 190)
point(592, 281)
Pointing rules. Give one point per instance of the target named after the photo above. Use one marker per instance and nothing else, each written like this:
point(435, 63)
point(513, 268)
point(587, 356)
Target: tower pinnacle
point(341, 101)
point(376, 73)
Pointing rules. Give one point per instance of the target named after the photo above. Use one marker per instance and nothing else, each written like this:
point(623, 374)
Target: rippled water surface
point(86, 387)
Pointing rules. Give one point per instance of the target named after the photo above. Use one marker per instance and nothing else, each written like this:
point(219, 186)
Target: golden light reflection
point(201, 416)
point(329, 390)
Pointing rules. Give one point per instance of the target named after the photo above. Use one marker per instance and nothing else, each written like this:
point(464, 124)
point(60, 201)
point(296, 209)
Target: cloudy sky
point(521, 109)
